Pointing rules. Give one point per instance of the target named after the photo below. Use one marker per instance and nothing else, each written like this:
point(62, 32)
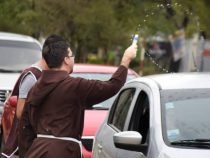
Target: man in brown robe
point(57, 101)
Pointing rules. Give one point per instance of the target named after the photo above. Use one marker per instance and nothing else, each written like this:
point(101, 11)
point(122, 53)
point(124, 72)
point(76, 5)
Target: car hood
point(180, 153)
point(93, 120)
point(8, 80)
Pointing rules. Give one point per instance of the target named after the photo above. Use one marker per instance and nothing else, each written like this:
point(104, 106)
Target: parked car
point(159, 116)
point(94, 116)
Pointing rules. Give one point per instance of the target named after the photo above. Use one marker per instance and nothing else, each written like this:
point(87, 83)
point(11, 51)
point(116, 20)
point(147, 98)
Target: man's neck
point(42, 64)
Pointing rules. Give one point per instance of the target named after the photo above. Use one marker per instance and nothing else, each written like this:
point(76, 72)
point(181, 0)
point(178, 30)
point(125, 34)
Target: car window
point(185, 113)
point(17, 55)
point(120, 108)
point(140, 116)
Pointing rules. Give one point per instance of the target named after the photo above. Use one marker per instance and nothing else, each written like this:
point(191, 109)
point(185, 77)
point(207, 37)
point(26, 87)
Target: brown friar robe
point(11, 138)
point(57, 103)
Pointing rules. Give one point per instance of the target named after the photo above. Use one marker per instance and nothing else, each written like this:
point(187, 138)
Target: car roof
point(94, 68)
point(17, 37)
point(191, 80)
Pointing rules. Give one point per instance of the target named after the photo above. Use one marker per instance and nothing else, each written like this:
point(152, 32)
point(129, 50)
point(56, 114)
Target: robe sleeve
point(94, 91)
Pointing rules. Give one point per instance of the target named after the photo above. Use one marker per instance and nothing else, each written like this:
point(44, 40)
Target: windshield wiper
point(193, 142)
point(5, 70)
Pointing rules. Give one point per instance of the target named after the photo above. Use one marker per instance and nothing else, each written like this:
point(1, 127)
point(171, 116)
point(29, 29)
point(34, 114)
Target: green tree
point(94, 26)
point(18, 16)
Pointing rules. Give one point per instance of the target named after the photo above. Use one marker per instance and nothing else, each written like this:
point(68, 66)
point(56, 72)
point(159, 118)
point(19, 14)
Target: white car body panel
point(8, 80)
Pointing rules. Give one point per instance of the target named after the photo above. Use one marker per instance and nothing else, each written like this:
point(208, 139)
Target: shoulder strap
point(34, 70)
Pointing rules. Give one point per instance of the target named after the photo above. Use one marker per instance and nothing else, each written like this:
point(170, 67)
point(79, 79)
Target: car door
point(138, 119)
point(119, 119)
point(104, 146)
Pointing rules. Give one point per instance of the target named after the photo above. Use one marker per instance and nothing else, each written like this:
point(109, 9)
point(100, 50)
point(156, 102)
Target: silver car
point(159, 116)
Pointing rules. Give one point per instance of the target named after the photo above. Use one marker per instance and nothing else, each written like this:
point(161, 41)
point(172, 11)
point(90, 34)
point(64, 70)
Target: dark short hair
point(54, 50)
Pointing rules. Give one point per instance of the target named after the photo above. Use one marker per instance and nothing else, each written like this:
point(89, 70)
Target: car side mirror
point(12, 101)
point(130, 140)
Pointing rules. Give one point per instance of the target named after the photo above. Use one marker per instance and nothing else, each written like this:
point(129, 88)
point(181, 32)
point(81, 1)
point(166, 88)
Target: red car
point(93, 117)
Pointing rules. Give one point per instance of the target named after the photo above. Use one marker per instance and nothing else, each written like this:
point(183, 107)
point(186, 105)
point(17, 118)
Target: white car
point(160, 116)
point(17, 52)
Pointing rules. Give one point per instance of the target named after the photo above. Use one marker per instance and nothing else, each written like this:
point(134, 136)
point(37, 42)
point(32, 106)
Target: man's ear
point(66, 61)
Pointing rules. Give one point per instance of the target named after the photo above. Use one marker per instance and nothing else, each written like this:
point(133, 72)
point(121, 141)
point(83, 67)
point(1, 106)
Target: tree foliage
point(92, 25)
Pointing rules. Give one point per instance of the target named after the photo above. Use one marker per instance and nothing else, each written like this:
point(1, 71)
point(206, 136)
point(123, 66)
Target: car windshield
point(185, 116)
point(100, 76)
point(17, 55)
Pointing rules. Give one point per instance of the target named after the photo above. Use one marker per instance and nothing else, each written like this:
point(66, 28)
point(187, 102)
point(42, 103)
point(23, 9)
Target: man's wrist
point(125, 61)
